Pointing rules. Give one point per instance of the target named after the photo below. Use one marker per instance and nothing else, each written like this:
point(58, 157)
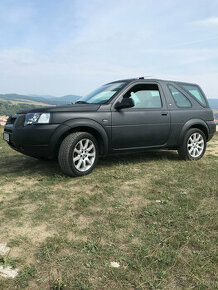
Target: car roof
point(149, 80)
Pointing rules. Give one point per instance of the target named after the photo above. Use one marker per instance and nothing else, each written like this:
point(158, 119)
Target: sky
point(59, 47)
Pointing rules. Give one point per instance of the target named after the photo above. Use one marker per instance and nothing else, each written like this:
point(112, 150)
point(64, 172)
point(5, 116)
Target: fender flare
point(69, 126)
point(191, 123)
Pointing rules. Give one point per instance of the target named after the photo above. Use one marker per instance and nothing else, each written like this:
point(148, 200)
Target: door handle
point(164, 114)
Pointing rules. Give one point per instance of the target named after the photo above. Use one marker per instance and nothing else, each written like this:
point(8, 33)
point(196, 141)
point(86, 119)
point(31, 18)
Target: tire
point(78, 154)
point(193, 146)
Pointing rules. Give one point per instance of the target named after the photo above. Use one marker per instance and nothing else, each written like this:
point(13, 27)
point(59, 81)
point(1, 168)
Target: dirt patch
point(137, 184)
point(18, 185)
point(28, 182)
point(213, 149)
point(73, 187)
point(8, 188)
point(83, 222)
point(185, 253)
point(173, 283)
point(6, 197)
point(136, 203)
point(30, 238)
point(35, 234)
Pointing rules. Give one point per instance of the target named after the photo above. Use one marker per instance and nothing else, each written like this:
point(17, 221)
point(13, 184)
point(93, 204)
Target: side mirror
point(125, 103)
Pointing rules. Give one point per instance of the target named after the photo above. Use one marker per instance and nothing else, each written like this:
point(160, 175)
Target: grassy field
point(152, 213)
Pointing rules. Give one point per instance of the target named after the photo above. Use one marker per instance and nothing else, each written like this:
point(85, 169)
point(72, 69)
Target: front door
point(147, 124)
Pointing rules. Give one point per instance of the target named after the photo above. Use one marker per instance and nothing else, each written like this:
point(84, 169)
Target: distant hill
point(12, 103)
point(69, 98)
point(66, 98)
point(42, 96)
point(47, 100)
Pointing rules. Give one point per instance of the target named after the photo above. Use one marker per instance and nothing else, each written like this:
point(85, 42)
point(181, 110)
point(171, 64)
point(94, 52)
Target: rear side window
point(195, 92)
point(179, 98)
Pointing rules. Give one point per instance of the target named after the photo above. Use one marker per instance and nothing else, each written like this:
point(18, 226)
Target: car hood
point(66, 108)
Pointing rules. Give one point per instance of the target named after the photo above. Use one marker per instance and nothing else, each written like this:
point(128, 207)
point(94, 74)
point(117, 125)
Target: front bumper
point(32, 140)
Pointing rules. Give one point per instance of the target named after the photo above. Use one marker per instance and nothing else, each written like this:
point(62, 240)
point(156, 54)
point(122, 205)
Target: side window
point(145, 96)
point(195, 92)
point(180, 100)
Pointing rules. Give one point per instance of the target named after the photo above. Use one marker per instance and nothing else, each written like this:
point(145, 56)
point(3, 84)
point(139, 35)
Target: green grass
point(150, 212)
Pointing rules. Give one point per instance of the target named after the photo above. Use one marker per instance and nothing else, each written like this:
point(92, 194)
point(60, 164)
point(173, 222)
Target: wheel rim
point(84, 155)
point(195, 145)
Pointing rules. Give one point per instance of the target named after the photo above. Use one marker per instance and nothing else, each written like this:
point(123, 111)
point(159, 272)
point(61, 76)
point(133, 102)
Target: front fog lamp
point(37, 118)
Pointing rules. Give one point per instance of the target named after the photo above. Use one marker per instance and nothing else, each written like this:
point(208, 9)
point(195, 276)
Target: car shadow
point(140, 157)
point(20, 165)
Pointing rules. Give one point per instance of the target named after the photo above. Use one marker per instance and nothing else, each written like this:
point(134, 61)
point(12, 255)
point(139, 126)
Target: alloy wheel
point(84, 155)
point(195, 145)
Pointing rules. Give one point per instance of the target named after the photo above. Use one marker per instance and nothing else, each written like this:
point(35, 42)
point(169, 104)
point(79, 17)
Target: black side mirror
point(125, 103)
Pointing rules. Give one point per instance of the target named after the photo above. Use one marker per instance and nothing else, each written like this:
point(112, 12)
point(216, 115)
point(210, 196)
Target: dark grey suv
point(122, 116)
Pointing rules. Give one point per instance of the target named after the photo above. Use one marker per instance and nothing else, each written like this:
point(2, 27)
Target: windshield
point(102, 94)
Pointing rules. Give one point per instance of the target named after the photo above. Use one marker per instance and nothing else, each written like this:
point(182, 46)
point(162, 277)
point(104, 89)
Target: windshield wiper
point(81, 102)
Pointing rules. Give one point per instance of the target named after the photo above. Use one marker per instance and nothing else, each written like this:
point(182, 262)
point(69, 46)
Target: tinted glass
point(180, 100)
point(145, 97)
point(103, 94)
point(195, 92)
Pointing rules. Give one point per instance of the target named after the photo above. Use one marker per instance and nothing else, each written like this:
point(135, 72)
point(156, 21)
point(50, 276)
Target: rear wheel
point(193, 146)
point(78, 154)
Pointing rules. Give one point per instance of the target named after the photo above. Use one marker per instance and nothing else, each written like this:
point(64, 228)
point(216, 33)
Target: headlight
point(37, 118)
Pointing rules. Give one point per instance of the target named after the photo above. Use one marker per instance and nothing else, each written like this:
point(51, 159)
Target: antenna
point(142, 78)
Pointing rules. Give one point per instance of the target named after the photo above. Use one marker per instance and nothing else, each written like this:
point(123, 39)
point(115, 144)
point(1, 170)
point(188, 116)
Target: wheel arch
point(195, 123)
point(79, 125)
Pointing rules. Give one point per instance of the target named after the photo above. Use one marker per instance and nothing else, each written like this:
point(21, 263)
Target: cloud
point(64, 71)
point(212, 21)
point(26, 71)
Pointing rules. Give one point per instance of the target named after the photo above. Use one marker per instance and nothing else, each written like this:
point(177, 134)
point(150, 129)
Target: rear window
point(181, 100)
point(195, 92)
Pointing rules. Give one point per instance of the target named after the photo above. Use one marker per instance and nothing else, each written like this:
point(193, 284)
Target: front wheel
point(193, 146)
point(78, 154)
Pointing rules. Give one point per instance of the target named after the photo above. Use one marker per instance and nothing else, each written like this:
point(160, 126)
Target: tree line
point(7, 108)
